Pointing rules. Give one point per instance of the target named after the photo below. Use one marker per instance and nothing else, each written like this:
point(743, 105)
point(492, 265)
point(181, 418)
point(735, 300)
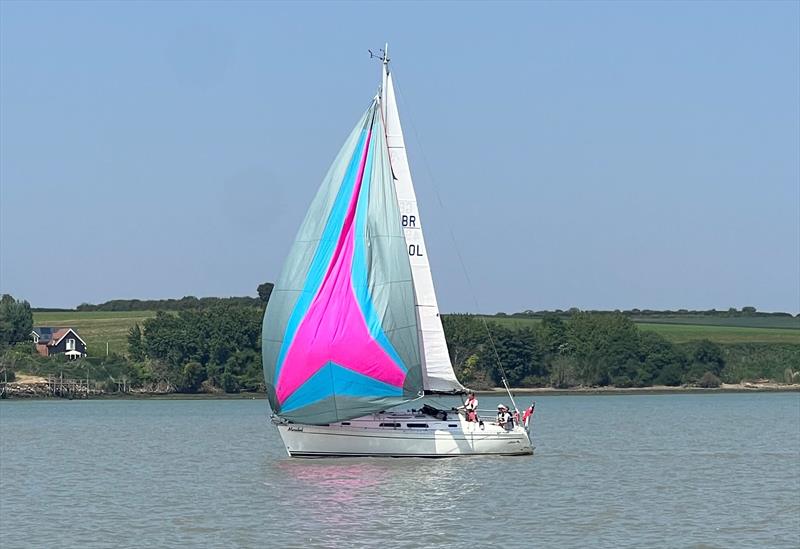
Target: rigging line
point(455, 244)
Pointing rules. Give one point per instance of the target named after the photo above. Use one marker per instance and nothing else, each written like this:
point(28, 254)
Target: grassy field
point(680, 332)
point(97, 328)
point(788, 322)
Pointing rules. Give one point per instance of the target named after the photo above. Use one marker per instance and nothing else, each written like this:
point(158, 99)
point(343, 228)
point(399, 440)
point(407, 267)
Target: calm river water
point(707, 470)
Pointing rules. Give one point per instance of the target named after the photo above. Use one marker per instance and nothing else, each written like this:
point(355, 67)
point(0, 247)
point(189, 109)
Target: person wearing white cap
point(504, 417)
point(501, 414)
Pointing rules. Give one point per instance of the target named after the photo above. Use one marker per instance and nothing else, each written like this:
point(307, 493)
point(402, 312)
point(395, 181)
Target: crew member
point(501, 414)
point(504, 418)
point(471, 407)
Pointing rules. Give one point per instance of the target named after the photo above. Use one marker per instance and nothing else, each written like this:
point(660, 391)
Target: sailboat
point(352, 330)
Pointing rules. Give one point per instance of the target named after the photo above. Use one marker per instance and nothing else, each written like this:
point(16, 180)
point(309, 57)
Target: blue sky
point(598, 155)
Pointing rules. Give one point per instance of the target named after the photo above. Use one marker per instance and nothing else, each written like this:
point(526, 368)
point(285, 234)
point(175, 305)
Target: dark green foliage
point(588, 349)
point(183, 304)
point(135, 344)
point(553, 332)
point(230, 383)
point(16, 358)
point(564, 372)
point(661, 361)
point(518, 351)
point(596, 349)
point(751, 361)
point(193, 377)
point(709, 381)
point(710, 354)
point(671, 375)
point(245, 366)
point(264, 291)
point(219, 344)
point(16, 320)
point(605, 346)
point(466, 336)
point(746, 317)
point(213, 344)
point(702, 356)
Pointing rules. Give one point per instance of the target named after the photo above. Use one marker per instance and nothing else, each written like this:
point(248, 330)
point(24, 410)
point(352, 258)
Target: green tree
point(605, 346)
point(553, 332)
point(517, 352)
point(229, 382)
point(193, 376)
point(564, 372)
point(16, 320)
point(657, 355)
point(246, 366)
point(264, 291)
point(208, 336)
point(135, 344)
point(709, 381)
point(465, 335)
point(704, 356)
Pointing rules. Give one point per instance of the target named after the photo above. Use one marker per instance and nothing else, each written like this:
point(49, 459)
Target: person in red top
point(471, 407)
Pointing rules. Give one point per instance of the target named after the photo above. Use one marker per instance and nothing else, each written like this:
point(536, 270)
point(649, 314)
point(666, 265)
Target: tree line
point(207, 349)
point(216, 347)
point(587, 349)
point(731, 312)
point(183, 304)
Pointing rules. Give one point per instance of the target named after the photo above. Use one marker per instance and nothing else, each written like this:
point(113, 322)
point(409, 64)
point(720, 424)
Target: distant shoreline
point(653, 390)
point(499, 391)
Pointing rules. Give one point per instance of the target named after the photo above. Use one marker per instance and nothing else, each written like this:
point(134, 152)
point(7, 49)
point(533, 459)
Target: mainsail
point(437, 369)
point(340, 336)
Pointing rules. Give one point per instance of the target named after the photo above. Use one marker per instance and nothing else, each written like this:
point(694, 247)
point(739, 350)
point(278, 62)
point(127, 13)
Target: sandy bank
point(747, 387)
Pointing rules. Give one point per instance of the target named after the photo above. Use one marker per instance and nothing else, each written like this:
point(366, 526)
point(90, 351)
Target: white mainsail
point(438, 375)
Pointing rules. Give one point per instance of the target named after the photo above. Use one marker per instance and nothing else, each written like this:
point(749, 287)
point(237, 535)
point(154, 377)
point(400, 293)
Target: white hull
point(403, 435)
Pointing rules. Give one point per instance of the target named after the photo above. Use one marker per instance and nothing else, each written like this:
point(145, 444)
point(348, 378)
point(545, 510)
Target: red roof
point(57, 336)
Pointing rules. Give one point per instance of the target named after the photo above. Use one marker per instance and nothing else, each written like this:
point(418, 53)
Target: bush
point(193, 376)
point(210, 388)
point(564, 373)
point(535, 381)
point(229, 382)
point(670, 376)
point(709, 381)
point(622, 382)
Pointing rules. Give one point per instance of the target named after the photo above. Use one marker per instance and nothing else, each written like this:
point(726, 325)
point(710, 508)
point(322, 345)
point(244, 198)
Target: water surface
point(710, 470)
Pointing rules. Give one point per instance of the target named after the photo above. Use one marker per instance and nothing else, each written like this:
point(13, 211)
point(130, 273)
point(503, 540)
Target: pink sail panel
point(334, 328)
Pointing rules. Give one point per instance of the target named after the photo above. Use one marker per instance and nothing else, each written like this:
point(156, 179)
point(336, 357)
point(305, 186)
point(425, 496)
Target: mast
point(385, 76)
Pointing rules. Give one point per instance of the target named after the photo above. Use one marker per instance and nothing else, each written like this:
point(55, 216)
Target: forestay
point(340, 337)
point(438, 375)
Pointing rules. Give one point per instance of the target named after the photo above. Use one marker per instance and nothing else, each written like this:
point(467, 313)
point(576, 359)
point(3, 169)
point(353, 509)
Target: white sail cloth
point(438, 375)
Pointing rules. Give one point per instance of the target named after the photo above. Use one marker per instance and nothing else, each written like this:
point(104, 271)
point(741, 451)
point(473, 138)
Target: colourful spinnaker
point(340, 337)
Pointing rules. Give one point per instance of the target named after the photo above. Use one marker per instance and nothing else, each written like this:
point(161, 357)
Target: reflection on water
point(677, 470)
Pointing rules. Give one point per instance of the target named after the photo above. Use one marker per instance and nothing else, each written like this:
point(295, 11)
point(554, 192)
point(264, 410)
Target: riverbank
point(31, 388)
point(653, 390)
